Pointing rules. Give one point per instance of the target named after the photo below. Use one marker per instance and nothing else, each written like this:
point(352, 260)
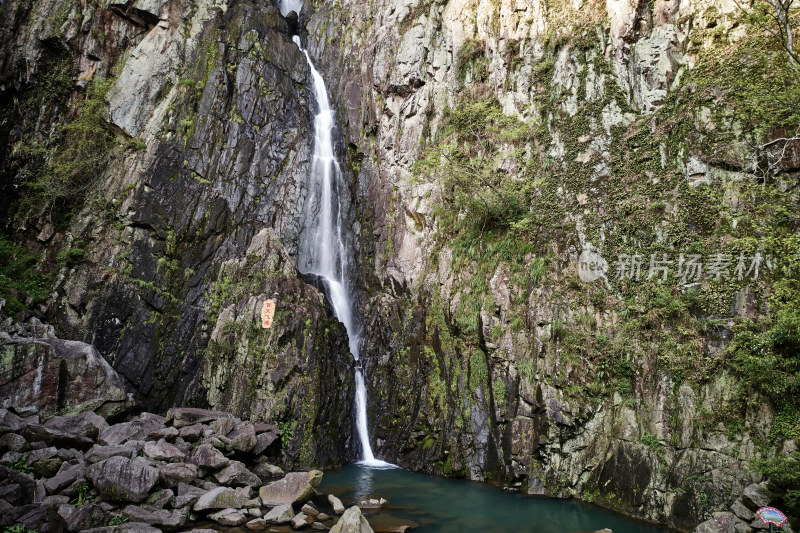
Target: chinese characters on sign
point(687, 268)
point(267, 314)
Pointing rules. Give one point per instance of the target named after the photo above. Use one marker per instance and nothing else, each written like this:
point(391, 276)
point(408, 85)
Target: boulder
point(101, 453)
point(156, 517)
point(163, 451)
point(310, 510)
point(9, 421)
point(193, 432)
point(55, 437)
point(121, 479)
point(319, 526)
point(86, 516)
point(50, 375)
point(722, 523)
point(236, 474)
point(167, 433)
point(46, 467)
point(243, 437)
point(187, 416)
point(206, 456)
point(336, 503)
point(87, 424)
point(174, 473)
point(258, 524)
point(756, 496)
point(134, 430)
point(280, 514)
point(352, 521)
point(263, 441)
point(222, 426)
point(12, 441)
point(295, 487)
point(66, 476)
point(229, 517)
point(221, 498)
point(301, 520)
point(160, 499)
point(266, 470)
point(741, 510)
point(127, 527)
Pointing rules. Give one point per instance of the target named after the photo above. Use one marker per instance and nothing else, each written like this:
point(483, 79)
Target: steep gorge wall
point(621, 128)
point(156, 156)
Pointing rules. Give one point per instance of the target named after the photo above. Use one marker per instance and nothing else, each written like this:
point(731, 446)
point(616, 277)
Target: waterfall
point(322, 250)
point(287, 6)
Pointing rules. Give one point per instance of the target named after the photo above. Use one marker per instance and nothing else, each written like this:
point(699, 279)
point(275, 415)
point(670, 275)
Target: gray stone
point(336, 503)
point(280, 514)
point(243, 437)
point(229, 517)
point(187, 416)
point(263, 441)
point(295, 487)
point(134, 430)
point(64, 478)
point(741, 510)
point(206, 456)
point(258, 524)
point(160, 499)
point(87, 516)
point(193, 432)
point(756, 496)
point(174, 473)
point(167, 433)
point(156, 517)
point(163, 451)
point(222, 426)
point(128, 527)
point(310, 510)
point(121, 479)
point(236, 474)
point(220, 498)
point(319, 526)
point(352, 521)
point(10, 421)
point(267, 471)
point(722, 523)
point(87, 424)
point(13, 442)
point(301, 520)
point(101, 453)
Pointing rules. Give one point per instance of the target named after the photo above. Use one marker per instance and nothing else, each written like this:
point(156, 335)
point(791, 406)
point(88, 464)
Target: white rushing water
point(322, 248)
point(287, 6)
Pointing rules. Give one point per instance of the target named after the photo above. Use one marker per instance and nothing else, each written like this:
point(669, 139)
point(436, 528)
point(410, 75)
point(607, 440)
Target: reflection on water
point(438, 505)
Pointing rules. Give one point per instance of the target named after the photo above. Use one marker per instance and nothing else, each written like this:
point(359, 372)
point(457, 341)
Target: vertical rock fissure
point(322, 249)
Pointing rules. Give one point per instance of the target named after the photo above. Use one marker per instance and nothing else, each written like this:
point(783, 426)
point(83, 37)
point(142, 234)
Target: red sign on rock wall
point(267, 314)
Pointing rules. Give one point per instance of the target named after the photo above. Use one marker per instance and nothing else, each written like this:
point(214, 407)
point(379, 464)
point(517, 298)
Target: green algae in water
point(439, 505)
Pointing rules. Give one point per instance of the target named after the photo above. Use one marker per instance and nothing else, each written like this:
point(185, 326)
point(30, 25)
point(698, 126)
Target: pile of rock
point(742, 518)
point(154, 473)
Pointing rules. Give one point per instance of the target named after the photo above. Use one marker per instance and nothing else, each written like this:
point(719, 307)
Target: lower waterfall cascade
point(323, 251)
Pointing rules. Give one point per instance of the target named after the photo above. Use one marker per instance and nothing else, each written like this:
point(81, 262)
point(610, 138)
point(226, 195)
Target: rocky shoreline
point(192, 467)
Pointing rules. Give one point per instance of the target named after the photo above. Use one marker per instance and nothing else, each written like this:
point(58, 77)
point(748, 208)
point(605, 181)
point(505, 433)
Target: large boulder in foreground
point(49, 375)
point(123, 480)
point(295, 487)
point(352, 521)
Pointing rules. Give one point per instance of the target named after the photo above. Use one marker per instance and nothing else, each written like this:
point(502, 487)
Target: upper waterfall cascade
point(322, 251)
point(287, 6)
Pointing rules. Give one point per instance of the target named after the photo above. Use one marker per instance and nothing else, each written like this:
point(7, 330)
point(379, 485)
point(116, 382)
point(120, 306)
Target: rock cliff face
point(171, 245)
point(156, 154)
